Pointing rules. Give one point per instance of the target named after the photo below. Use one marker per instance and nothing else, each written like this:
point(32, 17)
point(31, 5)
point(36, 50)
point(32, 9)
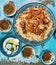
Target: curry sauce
point(9, 8)
point(27, 52)
point(4, 25)
point(47, 56)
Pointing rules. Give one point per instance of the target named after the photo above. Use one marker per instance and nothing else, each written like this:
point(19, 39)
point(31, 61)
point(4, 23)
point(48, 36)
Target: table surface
point(50, 45)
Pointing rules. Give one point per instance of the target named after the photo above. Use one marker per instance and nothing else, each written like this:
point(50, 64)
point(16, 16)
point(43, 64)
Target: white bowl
point(5, 31)
point(32, 54)
point(14, 11)
point(51, 61)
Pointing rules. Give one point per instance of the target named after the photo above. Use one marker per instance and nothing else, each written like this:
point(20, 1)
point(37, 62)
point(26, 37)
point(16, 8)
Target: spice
point(47, 56)
point(27, 52)
point(9, 8)
point(4, 24)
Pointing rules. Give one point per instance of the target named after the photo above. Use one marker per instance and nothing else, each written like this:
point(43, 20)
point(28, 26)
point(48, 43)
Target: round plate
point(2, 49)
point(29, 5)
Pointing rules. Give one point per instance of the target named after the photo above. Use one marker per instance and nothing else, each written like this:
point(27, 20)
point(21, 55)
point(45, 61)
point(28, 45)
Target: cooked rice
point(30, 35)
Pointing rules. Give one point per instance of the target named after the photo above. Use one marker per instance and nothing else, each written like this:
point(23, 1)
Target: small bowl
point(2, 46)
point(52, 59)
point(32, 51)
point(5, 31)
point(11, 13)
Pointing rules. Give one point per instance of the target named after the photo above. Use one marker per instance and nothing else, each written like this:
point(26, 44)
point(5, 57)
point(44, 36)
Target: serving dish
point(6, 50)
point(23, 8)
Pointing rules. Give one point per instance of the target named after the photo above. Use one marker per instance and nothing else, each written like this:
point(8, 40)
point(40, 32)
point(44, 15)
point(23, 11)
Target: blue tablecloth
point(50, 45)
